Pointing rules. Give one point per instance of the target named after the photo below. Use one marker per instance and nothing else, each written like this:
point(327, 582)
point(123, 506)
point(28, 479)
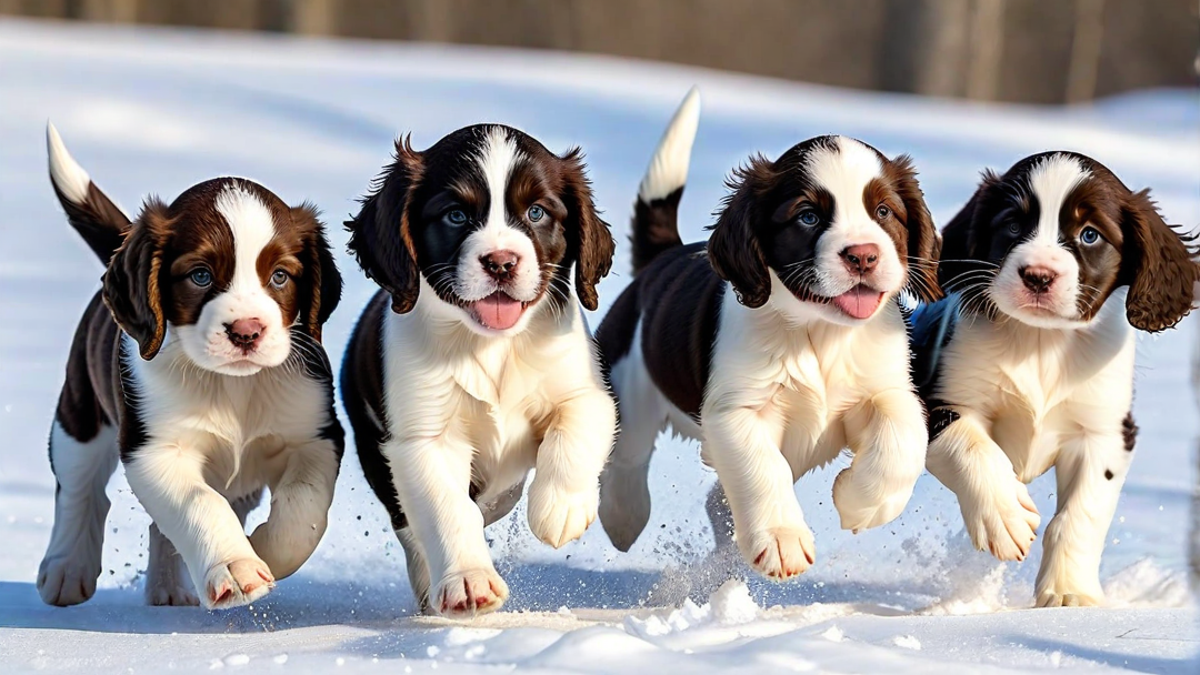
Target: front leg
point(997, 511)
point(887, 435)
point(565, 491)
point(300, 500)
point(169, 481)
point(1090, 472)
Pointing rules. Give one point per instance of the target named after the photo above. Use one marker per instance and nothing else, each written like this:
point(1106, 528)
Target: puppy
point(210, 385)
point(483, 367)
point(1029, 364)
point(777, 344)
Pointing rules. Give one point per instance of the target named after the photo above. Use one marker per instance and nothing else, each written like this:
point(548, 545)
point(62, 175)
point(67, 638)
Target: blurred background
point(1031, 51)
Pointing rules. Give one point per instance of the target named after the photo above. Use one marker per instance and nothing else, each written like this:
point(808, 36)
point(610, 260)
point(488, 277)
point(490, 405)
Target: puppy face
point(832, 229)
point(227, 270)
point(489, 221)
point(1048, 242)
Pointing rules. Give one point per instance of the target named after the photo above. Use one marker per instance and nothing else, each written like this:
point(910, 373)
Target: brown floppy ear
point(733, 249)
point(380, 238)
point(133, 280)
point(924, 242)
point(961, 240)
point(589, 239)
point(1159, 264)
point(324, 282)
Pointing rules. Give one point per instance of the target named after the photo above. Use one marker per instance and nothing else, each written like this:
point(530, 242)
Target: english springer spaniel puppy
point(210, 385)
point(776, 344)
point(1029, 364)
point(473, 364)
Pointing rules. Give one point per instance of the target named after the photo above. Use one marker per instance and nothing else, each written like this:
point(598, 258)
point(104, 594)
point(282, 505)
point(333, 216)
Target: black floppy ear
point(380, 238)
point(924, 242)
point(1159, 264)
point(733, 249)
point(133, 280)
point(324, 282)
point(961, 239)
point(589, 238)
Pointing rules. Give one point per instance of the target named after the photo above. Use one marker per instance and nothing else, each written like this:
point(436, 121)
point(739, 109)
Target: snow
point(154, 111)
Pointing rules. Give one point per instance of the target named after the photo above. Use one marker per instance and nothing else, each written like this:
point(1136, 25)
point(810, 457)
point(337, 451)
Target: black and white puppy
point(777, 344)
point(210, 385)
point(1029, 364)
point(483, 368)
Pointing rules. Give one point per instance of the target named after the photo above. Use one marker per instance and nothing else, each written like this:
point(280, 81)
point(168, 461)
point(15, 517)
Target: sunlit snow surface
point(156, 111)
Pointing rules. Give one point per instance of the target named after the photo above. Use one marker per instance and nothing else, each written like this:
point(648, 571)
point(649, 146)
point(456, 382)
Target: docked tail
point(101, 223)
point(654, 226)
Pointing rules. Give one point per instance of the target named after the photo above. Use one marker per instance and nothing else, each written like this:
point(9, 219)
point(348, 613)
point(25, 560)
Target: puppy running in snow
point(474, 364)
point(777, 344)
point(1029, 365)
point(210, 385)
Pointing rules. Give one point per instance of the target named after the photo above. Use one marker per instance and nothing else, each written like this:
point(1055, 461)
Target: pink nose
point(1038, 279)
point(500, 265)
point(245, 333)
point(860, 259)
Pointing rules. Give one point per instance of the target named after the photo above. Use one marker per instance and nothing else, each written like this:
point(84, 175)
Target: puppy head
point(228, 270)
point(1048, 242)
point(832, 229)
point(489, 222)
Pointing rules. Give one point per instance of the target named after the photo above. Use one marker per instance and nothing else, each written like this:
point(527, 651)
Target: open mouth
point(498, 311)
point(859, 302)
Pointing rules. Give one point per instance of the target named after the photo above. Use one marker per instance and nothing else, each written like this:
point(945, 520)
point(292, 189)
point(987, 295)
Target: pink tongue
point(859, 302)
point(498, 311)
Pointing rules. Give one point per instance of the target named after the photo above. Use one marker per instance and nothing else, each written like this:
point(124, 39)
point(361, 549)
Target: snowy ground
point(157, 111)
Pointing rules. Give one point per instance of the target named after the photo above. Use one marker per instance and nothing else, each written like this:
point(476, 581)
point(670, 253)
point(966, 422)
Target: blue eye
point(535, 213)
point(1090, 235)
point(808, 217)
point(279, 278)
point(456, 217)
point(201, 277)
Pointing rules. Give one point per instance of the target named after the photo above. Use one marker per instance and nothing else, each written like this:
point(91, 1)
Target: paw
point(863, 506)
point(172, 595)
point(236, 583)
point(780, 553)
point(470, 592)
point(1053, 599)
point(1004, 523)
point(66, 580)
point(557, 517)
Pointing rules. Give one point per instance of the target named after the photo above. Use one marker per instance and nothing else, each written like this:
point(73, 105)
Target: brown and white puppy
point(483, 368)
point(210, 385)
point(1029, 365)
point(776, 344)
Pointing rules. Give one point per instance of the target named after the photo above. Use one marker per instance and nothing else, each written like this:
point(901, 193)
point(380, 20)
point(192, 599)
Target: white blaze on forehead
point(496, 160)
point(252, 226)
point(845, 171)
point(1052, 180)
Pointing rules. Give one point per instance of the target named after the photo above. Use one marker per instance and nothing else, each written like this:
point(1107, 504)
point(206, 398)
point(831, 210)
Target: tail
point(100, 222)
point(654, 226)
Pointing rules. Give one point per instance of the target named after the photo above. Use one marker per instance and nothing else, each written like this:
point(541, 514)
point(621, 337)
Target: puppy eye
point(457, 217)
point(201, 277)
point(1089, 236)
point(882, 211)
point(279, 278)
point(808, 217)
point(1014, 227)
point(535, 213)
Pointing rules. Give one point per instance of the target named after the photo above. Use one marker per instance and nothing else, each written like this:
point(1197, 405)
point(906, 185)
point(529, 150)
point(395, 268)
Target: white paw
point(780, 552)
point(171, 595)
point(470, 592)
point(67, 580)
point(557, 517)
point(236, 583)
point(862, 506)
point(1053, 599)
point(1003, 520)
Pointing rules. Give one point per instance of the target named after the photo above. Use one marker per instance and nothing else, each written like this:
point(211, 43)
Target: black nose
point(1038, 279)
point(860, 259)
point(500, 265)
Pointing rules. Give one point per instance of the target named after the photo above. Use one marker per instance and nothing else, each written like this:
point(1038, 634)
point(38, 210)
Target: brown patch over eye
point(881, 200)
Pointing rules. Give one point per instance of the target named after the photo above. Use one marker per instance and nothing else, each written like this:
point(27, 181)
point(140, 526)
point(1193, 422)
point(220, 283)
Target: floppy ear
point(379, 235)
point(733, 249)
point(924, 242)
point(133, 280)
point(324, 281)
point(1159, 264)
point(961, 240)
point(588, 237)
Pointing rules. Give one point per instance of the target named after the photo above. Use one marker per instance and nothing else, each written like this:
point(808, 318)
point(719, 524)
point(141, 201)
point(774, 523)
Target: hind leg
point(69, 570)
point(417, 567)
point(167, 580)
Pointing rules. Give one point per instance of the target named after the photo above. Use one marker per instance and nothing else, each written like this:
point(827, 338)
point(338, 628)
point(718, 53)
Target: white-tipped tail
point(669, 167)
point(70, 178)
